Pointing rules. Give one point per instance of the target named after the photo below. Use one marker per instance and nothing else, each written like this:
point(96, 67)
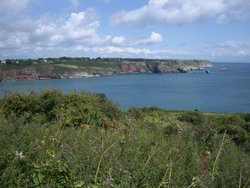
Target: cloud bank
point(228, 49)
point(64, 36)
point(182, 12)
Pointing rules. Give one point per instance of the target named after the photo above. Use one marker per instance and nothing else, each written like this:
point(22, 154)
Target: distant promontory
point(67, 67)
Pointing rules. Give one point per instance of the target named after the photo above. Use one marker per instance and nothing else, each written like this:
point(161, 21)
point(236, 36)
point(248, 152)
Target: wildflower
point(19, 155)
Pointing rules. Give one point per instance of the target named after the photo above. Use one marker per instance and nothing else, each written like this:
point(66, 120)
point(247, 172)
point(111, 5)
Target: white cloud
point(122, 50)
point(154, 38)
point(72, 35)
point(114, 51)
point(13, 6)
point(228, 50)
point(180, 12)
point(78, 28)
point(118, 40)
point(48, 34)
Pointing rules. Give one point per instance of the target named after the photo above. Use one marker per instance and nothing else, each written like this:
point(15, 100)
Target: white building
point(3, 61)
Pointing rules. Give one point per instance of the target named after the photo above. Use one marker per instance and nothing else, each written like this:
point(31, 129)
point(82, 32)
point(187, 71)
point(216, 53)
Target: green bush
point(195, 118)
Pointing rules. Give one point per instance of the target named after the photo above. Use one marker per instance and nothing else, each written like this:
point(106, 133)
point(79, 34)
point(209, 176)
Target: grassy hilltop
point(84, 140)
point(66, 67)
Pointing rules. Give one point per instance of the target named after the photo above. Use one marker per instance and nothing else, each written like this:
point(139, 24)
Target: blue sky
point(217, 30)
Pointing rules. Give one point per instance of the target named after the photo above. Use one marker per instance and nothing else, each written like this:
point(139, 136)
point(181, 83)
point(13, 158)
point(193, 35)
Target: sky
point(216, 30)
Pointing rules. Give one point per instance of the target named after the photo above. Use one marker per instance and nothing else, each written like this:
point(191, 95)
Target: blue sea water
point(219, 91)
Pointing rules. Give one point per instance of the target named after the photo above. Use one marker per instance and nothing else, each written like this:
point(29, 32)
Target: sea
point(219, 91)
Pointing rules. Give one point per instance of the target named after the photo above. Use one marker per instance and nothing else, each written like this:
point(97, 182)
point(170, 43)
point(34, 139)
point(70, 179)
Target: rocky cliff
point(163, 67)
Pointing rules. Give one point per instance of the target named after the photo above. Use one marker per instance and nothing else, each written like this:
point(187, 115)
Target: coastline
point(77, 68)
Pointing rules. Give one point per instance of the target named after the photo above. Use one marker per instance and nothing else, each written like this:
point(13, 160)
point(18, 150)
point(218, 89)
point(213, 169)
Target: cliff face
point(163, 67)
point(128, 68)
point(77, 68)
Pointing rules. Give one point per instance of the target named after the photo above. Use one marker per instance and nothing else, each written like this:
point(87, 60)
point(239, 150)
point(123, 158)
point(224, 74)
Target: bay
point(219, 91)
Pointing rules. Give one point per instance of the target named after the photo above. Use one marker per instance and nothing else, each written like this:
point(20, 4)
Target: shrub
point(195, 118)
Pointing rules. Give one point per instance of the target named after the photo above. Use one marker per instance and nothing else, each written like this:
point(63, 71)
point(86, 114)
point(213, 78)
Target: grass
point(83, 140)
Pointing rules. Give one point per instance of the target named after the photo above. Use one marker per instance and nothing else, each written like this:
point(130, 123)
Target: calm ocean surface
point(219, 91)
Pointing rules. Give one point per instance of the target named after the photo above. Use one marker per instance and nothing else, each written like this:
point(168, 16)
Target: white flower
point(19, 155)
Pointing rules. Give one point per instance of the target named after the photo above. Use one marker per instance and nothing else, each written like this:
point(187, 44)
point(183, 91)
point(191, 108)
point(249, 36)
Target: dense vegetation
point(84, 140)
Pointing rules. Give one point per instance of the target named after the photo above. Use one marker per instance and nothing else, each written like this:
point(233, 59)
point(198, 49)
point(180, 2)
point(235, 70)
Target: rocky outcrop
point(26, 75)
point(161, 67)
point(80, 75)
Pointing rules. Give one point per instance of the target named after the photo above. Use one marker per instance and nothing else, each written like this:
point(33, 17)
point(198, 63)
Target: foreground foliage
point(83, 140)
